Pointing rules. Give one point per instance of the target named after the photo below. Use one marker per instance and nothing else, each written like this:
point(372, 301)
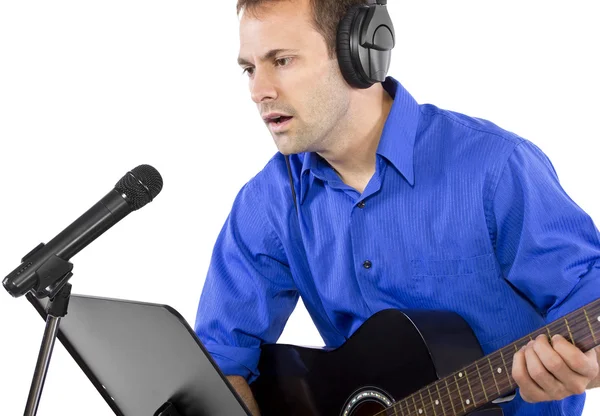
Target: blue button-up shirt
point(460, 215)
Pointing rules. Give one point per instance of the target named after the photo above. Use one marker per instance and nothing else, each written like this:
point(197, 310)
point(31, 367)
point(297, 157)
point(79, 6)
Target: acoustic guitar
point(403, 363)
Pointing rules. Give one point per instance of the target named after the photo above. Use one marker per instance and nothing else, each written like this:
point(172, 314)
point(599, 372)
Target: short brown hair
point(326, 16)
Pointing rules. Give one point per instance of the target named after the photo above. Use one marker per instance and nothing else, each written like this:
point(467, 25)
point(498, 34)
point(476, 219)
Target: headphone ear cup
point(344, 54)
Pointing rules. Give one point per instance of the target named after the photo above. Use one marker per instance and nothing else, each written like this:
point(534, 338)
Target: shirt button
point(361, 204)
point(367, 264)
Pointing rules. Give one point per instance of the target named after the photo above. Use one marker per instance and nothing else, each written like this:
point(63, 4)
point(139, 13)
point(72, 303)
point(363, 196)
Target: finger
point(528, 388)
point(585, 365)
point(536, 367)
point(593, 355)
point(551, 361)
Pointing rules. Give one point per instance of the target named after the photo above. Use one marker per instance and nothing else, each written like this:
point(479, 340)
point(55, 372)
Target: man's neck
point(352, 156)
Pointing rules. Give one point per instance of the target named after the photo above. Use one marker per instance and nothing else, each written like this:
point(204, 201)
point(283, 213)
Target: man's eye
point(283, 61)
point(279, 62)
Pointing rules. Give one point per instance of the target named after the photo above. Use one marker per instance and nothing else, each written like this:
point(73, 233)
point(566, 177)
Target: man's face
point(290, 73)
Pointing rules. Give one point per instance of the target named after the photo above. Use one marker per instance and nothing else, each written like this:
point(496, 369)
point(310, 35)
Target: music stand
point(144, 359)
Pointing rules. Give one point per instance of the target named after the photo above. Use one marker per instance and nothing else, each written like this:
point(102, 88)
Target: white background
point(89, 90)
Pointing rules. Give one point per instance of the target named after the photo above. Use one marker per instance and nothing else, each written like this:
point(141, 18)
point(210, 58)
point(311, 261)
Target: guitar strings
point(444, 398)
point(496, 362)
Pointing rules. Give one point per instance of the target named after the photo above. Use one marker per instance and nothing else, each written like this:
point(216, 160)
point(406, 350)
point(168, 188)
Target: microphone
point(46, 269)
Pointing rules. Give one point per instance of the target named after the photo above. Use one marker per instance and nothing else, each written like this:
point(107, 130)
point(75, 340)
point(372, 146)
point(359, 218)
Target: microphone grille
point(140, 185)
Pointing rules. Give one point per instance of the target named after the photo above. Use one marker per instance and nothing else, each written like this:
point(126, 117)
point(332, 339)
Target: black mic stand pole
point(57, 308)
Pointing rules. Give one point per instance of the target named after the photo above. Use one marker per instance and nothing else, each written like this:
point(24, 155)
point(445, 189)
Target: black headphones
point(365, 38)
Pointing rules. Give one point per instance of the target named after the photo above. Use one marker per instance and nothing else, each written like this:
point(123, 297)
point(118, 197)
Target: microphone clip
point(52, 275)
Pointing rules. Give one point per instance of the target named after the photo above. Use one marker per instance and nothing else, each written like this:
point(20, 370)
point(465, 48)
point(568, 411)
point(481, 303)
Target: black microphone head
point(140, 186)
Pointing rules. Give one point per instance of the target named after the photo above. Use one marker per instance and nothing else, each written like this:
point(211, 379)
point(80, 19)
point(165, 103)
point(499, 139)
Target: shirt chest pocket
point(472, 287)
point(453, 267)
point(454, 283)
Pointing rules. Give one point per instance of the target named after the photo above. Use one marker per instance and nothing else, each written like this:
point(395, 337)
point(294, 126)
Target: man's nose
point(262, 88)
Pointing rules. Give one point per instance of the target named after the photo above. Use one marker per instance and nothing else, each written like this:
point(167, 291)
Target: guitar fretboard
point(490, 377)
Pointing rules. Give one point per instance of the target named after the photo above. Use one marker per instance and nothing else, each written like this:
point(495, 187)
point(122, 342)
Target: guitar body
point(392, 355)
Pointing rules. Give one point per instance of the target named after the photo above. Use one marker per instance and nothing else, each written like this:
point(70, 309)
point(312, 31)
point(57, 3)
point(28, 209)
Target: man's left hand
point(547, 372)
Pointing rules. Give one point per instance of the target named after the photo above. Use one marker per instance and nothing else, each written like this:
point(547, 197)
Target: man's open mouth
point(279, 119)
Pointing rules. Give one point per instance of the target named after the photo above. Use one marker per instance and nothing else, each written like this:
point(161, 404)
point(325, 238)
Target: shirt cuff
point(236, 361)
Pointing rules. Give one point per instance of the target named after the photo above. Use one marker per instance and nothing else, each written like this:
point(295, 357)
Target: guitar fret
point(422, 402)
point(415, 403)
point(431, 400)
point(549, 334)
point(469, 385)
point(460, 394)
point(409, 405)
point(494, 375)
point(590, 325)
point(481, 381)
point(440, 398)
point(569, 329)
point(431, 403)
point(450, 396)
point(506, 370)
point(402, 407)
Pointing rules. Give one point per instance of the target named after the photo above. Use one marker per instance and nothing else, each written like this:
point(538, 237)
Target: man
point(398, 205)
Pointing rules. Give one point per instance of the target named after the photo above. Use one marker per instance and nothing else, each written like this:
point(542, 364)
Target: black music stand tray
point(144, 359)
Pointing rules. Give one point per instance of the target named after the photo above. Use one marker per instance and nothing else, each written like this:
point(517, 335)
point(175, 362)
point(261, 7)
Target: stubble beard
point(330, 105)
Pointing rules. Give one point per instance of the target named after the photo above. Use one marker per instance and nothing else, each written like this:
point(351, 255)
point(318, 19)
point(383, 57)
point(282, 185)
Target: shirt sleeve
point(249, 293)
point(547, 246)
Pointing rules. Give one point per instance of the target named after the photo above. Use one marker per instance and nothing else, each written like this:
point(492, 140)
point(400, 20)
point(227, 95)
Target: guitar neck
point(490, 377)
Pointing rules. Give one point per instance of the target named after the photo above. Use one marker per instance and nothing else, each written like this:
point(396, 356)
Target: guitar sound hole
point(368, 401)
point(367, 408)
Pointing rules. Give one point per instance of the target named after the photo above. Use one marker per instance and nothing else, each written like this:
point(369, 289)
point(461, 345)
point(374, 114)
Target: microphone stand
point(57, 309)
point(52, 282)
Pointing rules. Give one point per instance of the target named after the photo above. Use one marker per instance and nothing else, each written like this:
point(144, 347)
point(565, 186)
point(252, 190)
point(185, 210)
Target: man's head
point(288, 49)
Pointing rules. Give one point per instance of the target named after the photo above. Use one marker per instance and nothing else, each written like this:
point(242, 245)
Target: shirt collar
point(397, 138)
